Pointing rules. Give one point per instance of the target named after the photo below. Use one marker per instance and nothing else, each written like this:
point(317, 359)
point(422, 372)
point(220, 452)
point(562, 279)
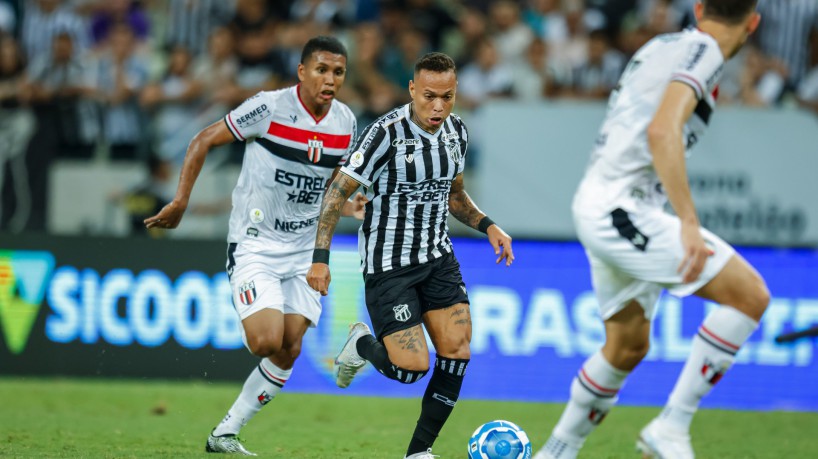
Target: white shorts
point(634, 256)
point(261, 280)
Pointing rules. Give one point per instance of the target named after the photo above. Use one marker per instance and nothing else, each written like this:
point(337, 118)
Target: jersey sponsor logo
point(290, 227)
point(373, 132)
point(250, 232)
point(401, 142)
point(402, 312)
point(254, 116)
point(314, 149)
point(247, 293)
point(426, 191)
point(304, 197)
point(356, 159)
point(299, 181)
point(696, 53)
point(450, 136)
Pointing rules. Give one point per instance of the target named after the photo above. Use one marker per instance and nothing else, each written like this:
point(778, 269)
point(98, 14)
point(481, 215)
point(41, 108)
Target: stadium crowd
point(131, 79)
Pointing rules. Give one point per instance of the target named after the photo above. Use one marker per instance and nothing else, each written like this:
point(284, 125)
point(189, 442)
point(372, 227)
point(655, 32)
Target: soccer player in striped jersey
point(410, 161)
point(296, 140)
point(662, 105)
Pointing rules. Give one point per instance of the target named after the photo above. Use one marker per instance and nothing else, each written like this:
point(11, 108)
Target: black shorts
point(398, 298)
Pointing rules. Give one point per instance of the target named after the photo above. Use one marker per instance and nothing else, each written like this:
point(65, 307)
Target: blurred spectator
point(399, 61)
point(485, 78)
point(762, 81)
point(252, 16)
point(259, 68)
point(511, 36)
point(56, 83)
point(808, 91)
point(119, 77)
point(116, 11)
point(430, 18)
point(546, 19)
point(573, 50)
point(460, 43)
point(17, 125)
point(148, 198)
point(216, 70)
point(8, 17)
point(190, 22)
point(784, 33)
point(175, 101)
point(532, 77)
point(43, 19)
point(599, 74)
point(319, 11)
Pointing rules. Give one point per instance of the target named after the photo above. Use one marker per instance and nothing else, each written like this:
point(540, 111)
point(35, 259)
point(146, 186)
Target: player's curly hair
point(435, 62)
point(322, 43)
point(732, 11)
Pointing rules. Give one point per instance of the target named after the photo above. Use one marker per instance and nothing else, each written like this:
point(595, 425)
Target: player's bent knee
point(405, 375)
point(263, 345)
point(627, 357)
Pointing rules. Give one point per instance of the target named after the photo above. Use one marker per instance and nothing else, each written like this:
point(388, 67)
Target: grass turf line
point(126, 418)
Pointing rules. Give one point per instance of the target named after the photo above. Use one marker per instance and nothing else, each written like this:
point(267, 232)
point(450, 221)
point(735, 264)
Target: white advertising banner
point(753, 176)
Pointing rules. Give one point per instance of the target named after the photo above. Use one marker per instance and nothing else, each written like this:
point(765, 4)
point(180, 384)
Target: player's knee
point(454, 348)
point(263, 345)
point(412, 362)
point(627, 356)
point(406, 375)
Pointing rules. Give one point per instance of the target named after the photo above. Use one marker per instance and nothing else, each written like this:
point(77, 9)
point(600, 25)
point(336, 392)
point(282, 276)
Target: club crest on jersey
point(314, 149)
point(409, 158)
point(453, 148)
point(402, 312)
point(247, 293)
point(712, 371)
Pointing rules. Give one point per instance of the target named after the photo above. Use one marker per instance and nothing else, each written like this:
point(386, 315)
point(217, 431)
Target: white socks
point(264, 383)
point(714, 349)
point(593, 393)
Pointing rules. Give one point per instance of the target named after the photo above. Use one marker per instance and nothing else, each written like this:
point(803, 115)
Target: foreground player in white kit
point(661, 107)
point(296, 138)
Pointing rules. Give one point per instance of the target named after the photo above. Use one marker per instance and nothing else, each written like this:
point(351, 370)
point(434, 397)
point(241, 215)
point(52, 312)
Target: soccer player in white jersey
point(410, 161)
point(661, 107)
point(296, 139)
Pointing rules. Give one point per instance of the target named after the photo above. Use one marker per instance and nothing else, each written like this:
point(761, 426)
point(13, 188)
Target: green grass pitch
point(122, 419)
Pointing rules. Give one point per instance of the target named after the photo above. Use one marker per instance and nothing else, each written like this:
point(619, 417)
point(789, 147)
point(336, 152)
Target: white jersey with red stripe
point(288, 160)
point(620, 173)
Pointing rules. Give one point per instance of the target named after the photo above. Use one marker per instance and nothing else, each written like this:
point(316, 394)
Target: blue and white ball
point(499, 440)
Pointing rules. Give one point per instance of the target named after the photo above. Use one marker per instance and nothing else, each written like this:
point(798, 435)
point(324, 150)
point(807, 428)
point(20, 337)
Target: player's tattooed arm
point(461, 205)
point(333, 203)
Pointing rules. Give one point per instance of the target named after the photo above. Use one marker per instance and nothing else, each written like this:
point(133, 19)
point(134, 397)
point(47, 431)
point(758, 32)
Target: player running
point(660, 109)
point(296, 139)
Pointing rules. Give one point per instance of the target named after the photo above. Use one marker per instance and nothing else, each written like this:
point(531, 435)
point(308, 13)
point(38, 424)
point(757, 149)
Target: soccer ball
point(499, 440)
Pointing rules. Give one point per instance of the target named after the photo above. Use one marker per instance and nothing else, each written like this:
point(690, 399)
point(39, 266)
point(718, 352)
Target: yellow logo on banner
point(24, 277)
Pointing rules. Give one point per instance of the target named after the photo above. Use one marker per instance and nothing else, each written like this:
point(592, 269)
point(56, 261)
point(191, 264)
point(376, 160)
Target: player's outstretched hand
point(696, 253)
point(359, 205)
point(501, 243)
point(168, 217)
point(319, 278)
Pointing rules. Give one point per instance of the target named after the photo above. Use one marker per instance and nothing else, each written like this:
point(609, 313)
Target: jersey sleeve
point(370, 156)
point(352, 132)
point(464, 145)
point(247, 120)
point(701, 67)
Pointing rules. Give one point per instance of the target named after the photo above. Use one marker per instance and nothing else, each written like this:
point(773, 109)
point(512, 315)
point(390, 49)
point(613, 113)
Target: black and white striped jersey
point(407, 173)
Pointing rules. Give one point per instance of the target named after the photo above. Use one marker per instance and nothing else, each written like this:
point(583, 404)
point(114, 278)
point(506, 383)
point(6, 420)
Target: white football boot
point(348, 362)
point(659, 441)
point(228, 444)
point(424, 455)
point(557, 449)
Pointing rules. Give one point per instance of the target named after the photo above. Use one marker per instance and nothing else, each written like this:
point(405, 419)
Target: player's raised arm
point(465, 210)
point(667, 145)
point(212, 136)
point(334, 201)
